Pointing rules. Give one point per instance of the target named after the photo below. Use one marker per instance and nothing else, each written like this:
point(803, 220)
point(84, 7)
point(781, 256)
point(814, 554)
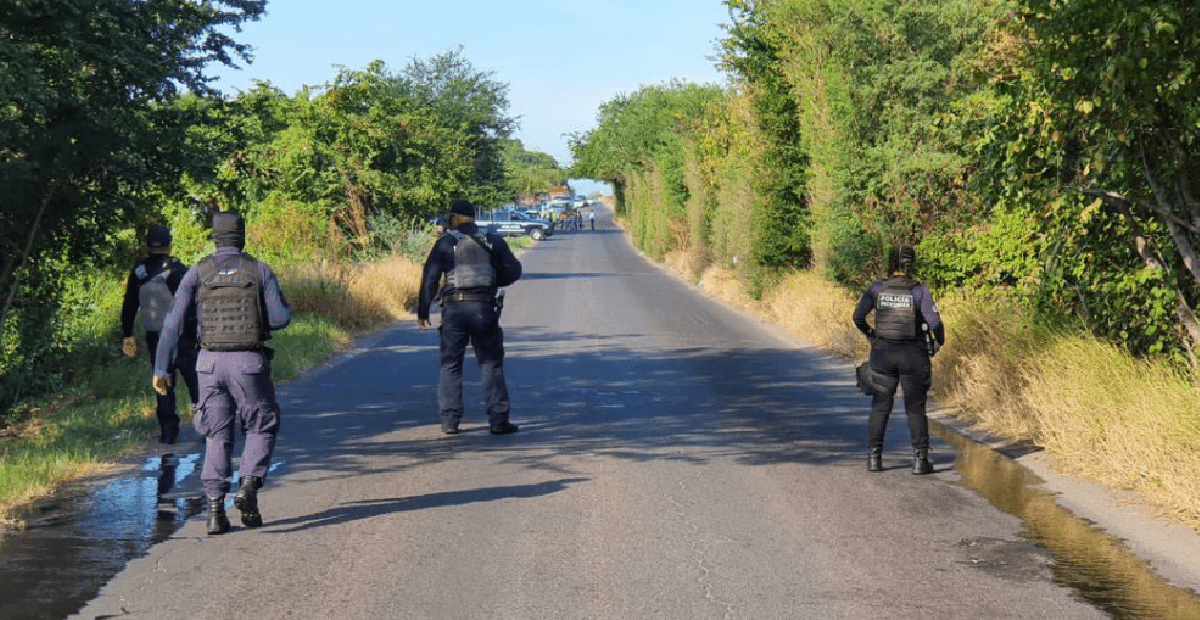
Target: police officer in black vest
point(904, 313)
point(150, 289)
point(476, 265)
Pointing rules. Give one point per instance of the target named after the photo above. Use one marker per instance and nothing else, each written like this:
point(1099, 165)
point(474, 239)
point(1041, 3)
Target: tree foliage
point(111, 124)
point(1039, 147)
point(639, 141)
point(85, 134)
point(1095, 148)
point(529, 172)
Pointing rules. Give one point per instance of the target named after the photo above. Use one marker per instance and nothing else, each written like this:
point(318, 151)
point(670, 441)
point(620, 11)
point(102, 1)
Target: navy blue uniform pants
point(907, 365)
point(166, 407)
point(235, 385)
point(478, 324)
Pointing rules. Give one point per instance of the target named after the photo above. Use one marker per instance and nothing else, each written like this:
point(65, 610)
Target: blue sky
point(560, 59)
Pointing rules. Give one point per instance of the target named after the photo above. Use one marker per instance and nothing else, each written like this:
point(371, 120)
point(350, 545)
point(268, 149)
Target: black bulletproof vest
point(896, 310)
point(231, 315)
point(472, 264)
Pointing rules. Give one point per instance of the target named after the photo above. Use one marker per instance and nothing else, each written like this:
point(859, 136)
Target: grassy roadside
point(1121, 422)
point(106, 409)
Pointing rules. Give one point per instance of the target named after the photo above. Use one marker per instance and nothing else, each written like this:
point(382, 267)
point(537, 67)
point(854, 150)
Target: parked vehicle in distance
point(514, 224)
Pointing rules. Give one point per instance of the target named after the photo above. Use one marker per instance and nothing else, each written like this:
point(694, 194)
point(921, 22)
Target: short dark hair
point(901, 258)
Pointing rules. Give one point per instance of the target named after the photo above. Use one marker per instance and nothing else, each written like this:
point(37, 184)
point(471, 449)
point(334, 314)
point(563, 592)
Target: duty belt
point(469, 296)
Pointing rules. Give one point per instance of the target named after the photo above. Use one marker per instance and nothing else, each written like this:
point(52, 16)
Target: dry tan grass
point(1121, 422)
point(980, 369)
point(722, 284)
point(1127, 423)
point(818, 312)
point(358, 297)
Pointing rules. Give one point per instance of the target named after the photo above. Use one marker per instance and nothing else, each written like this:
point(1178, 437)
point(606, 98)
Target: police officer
point(150, 288)
point(239, 303)
point(904, 310)
point(476, 265)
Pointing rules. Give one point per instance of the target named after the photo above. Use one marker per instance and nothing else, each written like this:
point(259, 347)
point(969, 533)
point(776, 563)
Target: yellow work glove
point(161, 384)
point(129, 346)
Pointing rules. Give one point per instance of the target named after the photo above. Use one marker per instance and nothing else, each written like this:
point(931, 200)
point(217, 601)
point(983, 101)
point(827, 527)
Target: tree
point(471, 102)
point(1100, 141)
point(82, 84)
point(529, 172)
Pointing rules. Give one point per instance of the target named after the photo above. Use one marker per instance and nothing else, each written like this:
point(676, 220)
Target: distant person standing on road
point(239, 303)
point(476, 265)
point(592, 218)
point(150, 289)
point(904, 313)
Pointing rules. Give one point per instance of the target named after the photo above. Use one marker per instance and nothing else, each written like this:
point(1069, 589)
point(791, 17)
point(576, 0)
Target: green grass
point(307, 341)
point(105, 408)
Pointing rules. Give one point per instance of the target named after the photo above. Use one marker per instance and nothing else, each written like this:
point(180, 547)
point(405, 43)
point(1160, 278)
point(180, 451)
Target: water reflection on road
point(1096, 564)
point(70, 550)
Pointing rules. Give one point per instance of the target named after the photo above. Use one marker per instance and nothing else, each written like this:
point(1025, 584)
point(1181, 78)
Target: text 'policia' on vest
point(230, 300)
point(896, 310)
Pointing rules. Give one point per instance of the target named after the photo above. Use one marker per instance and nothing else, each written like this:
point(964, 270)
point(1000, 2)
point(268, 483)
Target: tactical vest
point(473, 267)
point(154, 296)
point(896, 310)
point(231, 312)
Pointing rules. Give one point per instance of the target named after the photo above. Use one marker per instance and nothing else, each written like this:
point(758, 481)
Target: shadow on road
point(580, 393)
point(365, 509)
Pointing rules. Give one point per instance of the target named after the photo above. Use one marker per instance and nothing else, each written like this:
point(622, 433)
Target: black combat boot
point(504, 428)
point(875, 460)
point(218, 523)
point(921, 464)
point(246, 501)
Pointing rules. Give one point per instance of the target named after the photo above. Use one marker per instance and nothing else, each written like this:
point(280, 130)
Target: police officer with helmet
point(476, 265)
point(239, 303)
point(905, 316)
point(150, 290)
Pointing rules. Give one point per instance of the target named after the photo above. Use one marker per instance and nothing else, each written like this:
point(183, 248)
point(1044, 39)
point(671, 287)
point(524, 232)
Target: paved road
point(676, 460)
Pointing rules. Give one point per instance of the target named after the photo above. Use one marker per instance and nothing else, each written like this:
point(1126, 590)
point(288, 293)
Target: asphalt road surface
point(676, 460)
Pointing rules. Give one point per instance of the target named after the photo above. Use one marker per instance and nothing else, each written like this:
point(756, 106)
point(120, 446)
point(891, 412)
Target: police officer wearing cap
point(150, 289)
point(904, 313)
point(476, 265)
point(239, 303)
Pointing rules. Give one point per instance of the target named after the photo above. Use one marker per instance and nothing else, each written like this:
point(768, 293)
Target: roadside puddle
point(1096, 564)
point(76, 543)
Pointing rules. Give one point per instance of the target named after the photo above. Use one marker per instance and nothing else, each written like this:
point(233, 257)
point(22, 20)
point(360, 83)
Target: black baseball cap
point(158, 237)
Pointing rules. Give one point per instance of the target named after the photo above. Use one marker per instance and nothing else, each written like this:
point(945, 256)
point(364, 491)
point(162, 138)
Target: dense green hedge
point(1034, 146)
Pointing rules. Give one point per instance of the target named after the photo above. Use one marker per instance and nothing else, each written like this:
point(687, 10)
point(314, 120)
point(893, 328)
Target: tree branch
point(12, 291)
point(1162, 207)
point(1193, 227)
point(1187, 317)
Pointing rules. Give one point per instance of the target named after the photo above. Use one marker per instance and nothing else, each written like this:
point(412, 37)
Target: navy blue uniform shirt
point(923, 299)
point(441, 261)
point(279, 313)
